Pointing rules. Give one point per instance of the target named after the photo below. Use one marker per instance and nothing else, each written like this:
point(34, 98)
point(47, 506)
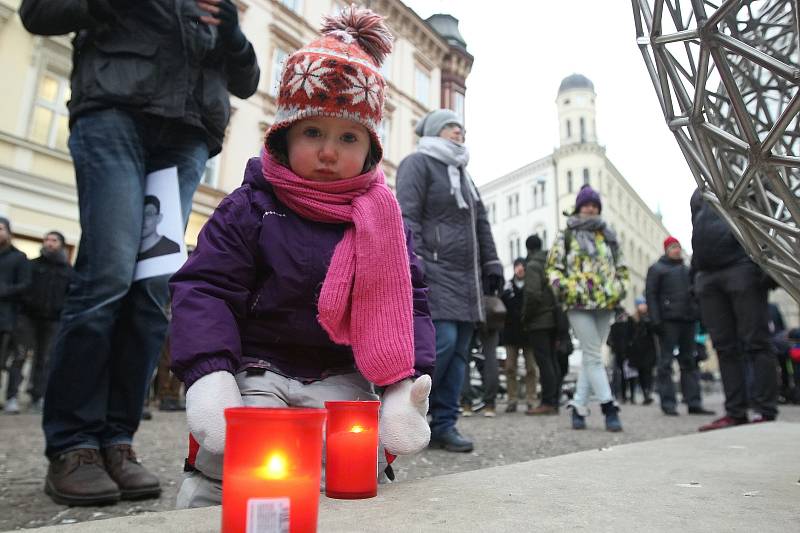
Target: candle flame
point(356, 429)
point(276, 467)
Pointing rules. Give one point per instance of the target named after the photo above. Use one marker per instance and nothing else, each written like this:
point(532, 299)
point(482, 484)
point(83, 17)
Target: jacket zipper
point(438, 243)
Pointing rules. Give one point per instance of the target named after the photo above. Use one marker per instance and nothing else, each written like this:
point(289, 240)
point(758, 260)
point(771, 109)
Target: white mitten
point(404, 425)
point(206, 401)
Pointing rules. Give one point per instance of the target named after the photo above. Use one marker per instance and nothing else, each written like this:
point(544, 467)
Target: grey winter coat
point(456, 245)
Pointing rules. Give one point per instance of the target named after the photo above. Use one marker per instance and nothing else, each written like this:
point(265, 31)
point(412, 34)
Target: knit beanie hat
point(669, 241)
point(432, 124)
point(6, 223)
point(587, 195)
point(337, 75)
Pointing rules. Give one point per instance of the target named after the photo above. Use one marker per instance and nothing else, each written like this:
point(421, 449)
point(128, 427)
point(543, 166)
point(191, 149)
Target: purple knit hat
point(587, 195)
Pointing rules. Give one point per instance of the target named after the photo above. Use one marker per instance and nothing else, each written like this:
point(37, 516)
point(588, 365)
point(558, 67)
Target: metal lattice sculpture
point(727, 77)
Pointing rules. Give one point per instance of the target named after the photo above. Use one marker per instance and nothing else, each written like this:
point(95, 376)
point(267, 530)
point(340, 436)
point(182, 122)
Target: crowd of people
point(285, 301)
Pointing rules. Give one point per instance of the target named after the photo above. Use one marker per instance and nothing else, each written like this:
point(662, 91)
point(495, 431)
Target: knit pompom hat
point(669, 242)
point(337, 75)
point(587, 195)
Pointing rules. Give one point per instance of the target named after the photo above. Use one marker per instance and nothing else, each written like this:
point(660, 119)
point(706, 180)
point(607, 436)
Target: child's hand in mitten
point(206, 401)
point(404, 426)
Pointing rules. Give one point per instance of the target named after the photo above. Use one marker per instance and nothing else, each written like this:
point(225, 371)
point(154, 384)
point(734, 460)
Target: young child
point(303, 287)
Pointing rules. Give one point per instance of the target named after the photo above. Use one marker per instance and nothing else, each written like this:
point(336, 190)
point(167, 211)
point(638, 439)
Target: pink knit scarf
point(366, 298)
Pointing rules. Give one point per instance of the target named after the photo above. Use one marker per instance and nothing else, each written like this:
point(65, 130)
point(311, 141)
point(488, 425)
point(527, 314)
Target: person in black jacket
point(642, 348)
point(732, 291)
point(150, 90)
point(518, 341)
point(15, 278)
point(41, 309)
point(673, 315)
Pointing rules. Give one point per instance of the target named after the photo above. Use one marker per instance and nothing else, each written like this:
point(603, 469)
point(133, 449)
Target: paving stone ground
point(160, 444)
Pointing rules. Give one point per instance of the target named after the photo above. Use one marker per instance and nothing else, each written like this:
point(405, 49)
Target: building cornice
point(503, 181)
point(405, 22)
point(578, 148)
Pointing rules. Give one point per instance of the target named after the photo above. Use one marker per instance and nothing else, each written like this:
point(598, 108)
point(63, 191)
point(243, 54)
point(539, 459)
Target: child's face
point(327, 148)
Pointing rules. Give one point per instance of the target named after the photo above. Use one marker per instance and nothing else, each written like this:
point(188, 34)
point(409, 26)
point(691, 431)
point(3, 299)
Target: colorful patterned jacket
point(585, 282)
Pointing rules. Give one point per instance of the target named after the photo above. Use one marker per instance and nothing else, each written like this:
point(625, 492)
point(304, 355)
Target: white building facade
point(533, 199)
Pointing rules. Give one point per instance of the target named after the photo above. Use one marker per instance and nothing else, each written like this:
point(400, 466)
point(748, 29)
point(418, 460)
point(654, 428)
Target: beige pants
point(203, 487)
point(531, 374)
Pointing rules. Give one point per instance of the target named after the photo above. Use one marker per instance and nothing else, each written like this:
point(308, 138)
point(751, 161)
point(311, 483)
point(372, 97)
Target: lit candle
point(351, 449)
point(271, 472)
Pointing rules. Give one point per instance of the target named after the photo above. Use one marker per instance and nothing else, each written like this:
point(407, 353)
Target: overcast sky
point(523, 49)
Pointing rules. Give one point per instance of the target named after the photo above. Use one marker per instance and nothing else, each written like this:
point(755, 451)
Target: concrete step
point(741, 479)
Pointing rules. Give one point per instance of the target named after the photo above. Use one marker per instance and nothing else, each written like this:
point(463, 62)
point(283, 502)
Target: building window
point(458, 105)
point(569, 130)
point(586, 180)
point(535, 196)
point(49, 124)
point(513, 205)
point(493, 213)
point(544, 239)
point(386, 67)
point(542, 192)
point(279, 57)
point(385, 133)
point(211, 173)
point(583, 130)
point(570, 188)
point(422, 86)
point(294, 5)
point(511, 251)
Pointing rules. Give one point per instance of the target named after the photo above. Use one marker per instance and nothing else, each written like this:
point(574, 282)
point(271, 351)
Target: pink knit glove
point(404, 426)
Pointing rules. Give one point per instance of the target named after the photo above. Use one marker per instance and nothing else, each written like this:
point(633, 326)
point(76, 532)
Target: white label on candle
point(268, 515)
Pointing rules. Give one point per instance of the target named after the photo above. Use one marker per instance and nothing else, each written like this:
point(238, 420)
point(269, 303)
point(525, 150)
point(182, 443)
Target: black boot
point(611, 411)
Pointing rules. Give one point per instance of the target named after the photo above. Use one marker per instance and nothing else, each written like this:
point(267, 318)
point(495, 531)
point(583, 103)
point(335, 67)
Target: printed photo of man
point(154, 244)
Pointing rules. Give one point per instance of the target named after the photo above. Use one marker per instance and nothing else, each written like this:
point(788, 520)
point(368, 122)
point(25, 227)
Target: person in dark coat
point(150, 88)
point(538, 320)
point(642, 350)
point(41, 309)
point(673, 315)
point(732, 291)
point(15, 279)
point(517, 341)
point(453, 238)
point(618, 339)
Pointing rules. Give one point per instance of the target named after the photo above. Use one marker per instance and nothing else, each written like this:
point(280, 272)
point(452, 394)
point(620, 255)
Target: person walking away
point(732, 291)
point(273, 308)
point(673, 315)
point(642, 348)
point(41, 310)
point(539, 322)
point(15, 279)
point(586, 267)
point(452, 236)
point(517, 341)
point(150, 84)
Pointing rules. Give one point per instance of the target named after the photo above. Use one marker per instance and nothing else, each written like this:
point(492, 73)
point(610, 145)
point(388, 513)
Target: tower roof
point(575, 81)
point(447, 26)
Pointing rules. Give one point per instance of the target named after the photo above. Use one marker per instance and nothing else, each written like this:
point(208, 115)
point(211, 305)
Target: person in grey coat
point(452, 236)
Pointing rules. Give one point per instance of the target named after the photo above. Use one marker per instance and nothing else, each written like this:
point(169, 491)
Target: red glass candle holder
point(351, 450)
point(271, 472)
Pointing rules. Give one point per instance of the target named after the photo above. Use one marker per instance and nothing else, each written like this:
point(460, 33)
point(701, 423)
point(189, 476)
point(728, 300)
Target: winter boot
point(578, 421)
point(612, 418)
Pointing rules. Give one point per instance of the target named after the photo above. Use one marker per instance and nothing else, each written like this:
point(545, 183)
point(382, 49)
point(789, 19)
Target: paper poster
point(162, 249)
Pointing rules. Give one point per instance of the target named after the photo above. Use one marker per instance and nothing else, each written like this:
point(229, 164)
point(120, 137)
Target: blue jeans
point(591, 328)
point(111, 328)
point(452, 347)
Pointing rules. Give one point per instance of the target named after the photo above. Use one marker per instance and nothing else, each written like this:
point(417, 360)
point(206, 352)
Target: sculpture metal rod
point(758, 57)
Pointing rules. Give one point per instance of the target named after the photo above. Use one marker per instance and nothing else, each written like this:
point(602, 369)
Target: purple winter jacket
point(247, 296)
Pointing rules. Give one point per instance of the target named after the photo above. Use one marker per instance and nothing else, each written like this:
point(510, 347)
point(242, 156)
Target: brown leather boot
point(77, 477)
point(134, 481)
